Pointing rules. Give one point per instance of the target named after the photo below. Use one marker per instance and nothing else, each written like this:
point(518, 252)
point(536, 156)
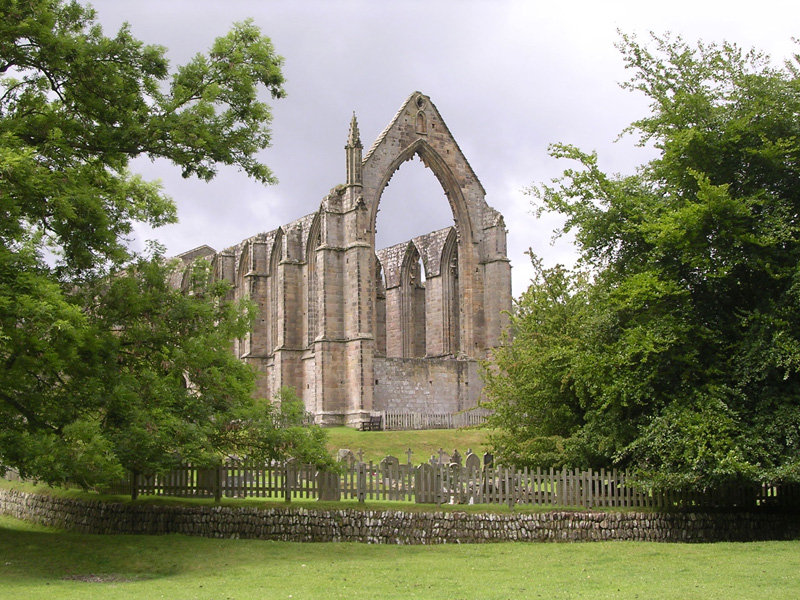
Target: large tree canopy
point(674, 348)
point(103, 366)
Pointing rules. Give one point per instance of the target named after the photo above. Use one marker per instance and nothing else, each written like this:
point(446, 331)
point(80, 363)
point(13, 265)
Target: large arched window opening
point(412, 204)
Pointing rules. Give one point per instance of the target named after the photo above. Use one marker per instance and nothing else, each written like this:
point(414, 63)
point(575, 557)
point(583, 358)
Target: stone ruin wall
point(355, 329)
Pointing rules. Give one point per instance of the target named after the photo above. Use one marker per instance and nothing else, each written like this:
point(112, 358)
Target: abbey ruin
point(355, 329)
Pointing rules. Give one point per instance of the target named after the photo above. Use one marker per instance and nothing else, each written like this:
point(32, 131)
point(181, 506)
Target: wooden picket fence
point(397, 421)
point(391, 480)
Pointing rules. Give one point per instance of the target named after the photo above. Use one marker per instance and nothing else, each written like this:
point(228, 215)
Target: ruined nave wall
point(425, 385)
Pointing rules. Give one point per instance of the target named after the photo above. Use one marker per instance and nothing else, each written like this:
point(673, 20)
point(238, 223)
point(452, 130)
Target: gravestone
point(346, 456)
point(488, 460)
point(390, 467)
point(472, 463)
point(329, 486)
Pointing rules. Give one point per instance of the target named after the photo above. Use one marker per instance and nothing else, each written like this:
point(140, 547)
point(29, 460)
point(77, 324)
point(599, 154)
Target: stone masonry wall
point(393, 527)
point(418, 385)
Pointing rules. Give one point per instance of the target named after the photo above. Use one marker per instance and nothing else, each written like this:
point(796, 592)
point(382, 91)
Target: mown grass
point(377, 444)
point(37, 562)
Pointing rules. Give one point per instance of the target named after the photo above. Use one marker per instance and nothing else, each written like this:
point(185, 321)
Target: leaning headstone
point(390, 467)
point(346, 456)
point(488, 460)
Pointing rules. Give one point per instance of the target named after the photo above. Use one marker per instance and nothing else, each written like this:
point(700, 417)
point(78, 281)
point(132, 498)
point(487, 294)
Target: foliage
point(103, 365)
point(278, 431)
point(682, 359)
point(531, 375)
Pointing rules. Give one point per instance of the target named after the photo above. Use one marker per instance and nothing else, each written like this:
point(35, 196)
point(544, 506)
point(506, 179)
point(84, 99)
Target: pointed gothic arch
point(451, 297)
point(412, 320)
point(380, 309)
point(450, 185)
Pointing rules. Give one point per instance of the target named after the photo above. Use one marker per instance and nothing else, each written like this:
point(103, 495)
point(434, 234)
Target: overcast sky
point(508, 77)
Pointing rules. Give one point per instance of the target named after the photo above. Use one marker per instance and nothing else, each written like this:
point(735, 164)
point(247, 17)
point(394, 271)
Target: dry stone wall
point(393, 527)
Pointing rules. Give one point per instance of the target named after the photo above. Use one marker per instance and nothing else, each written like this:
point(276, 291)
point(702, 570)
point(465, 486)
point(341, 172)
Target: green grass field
point(377, 444)
point(36, 562)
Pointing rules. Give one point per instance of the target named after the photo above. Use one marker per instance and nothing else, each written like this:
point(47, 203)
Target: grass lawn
point(36, 562)
point(377, 444)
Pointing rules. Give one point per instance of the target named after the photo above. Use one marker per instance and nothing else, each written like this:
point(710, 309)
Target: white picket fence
point(397, 421)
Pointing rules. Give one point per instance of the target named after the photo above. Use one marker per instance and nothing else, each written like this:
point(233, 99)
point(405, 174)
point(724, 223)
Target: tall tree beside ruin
point(103, 366)
point(677, 351)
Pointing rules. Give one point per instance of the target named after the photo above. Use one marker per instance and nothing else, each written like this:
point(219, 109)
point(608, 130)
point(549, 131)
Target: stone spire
point(354, 151)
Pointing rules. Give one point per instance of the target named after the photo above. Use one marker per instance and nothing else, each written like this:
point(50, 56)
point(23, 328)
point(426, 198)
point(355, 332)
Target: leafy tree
point(103, 366)
point(536, 405)
point(685, 359)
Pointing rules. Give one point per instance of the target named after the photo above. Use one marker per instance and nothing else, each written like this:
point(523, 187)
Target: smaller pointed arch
point(421, 122)
point(451, 295)
point(380, 309)
point(413, 320)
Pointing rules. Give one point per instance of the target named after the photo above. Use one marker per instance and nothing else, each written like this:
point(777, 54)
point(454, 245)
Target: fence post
point(287, 488)
point(218, 484)
point(361, 483)
point(511, 488)
point(134, 485)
